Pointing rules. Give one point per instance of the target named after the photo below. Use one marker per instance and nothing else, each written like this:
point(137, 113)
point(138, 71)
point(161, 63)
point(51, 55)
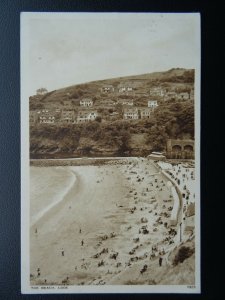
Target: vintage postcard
point(110, 155)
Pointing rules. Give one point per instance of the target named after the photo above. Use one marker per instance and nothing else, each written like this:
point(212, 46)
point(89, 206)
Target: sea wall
point(80, 161)
point(177, 196)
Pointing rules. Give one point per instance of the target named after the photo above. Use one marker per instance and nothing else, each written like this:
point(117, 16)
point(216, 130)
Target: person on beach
point(62, 252)
point(38, 272)
point(82, 243)
point(80, 230)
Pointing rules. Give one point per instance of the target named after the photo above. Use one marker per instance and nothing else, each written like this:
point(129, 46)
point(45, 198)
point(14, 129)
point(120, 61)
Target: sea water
point(48, 186)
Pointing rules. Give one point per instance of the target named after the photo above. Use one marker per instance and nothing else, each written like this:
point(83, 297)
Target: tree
point(98, 119)
point(157, 137)
point(41, 91)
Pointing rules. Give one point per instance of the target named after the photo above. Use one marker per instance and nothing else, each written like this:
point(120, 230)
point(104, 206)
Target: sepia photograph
point(110, 152)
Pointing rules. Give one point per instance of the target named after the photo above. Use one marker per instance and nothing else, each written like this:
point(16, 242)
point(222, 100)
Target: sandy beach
point(101, 225)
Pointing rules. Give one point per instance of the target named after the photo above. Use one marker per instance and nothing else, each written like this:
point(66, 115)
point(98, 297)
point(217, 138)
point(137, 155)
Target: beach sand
point(92, 232)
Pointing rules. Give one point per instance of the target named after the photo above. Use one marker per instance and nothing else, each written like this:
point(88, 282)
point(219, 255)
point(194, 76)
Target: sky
point(63, 49)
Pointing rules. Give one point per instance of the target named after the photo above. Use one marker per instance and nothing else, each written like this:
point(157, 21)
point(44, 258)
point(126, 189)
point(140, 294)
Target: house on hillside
point(108, 88)
point(46, 117)
point(129, 102)
point(144, 112)
point(67, 117)
point(130, 114)
point(170, 96)
point(183, 96)
point(125, 87)
point(82, 116)
point(152, 104)
point(92, 115)
point(157, 92)
point(86, 116)
point(86, 102)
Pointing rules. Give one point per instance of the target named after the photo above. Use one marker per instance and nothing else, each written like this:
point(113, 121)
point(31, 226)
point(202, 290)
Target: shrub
point(183, 253)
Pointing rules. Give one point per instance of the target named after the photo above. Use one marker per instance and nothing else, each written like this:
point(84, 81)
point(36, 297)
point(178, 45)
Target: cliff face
point(48, 148)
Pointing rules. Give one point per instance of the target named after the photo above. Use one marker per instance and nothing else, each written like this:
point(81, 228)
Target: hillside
point(118, 120)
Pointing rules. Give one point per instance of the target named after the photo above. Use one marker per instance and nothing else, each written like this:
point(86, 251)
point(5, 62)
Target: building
point(157, 92)
point(92, 115)
point(180, 148)
point(125, 87)
point(107, 88)
point(86, 116)
point(129, 102)
point(170, 96)
point(152, 104)
point(86, 102)
point(183, 96)
point(67, 116)
point(130, 114)
point(144, 112)
point(82, 116)
point(46, 118)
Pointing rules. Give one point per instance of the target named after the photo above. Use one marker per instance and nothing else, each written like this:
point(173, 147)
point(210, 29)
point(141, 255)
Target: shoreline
point(112, 198)
point(41, 214)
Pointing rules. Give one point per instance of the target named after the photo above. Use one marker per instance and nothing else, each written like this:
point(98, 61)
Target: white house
point(145, 112)
point(152, 104)
point(125, 87)
point(92, 115)
point(82, 116)
point(86, 102)
point(130, 113)
point(157, 92)
point(170, 95)
point(183, 96)
point(107, 88)
point(86, 116)
point(46, 118)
